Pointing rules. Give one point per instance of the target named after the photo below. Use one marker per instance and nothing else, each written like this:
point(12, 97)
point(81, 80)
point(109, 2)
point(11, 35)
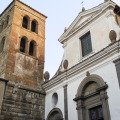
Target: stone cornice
point(102, 55)
point(28, 89)
point(117, 60)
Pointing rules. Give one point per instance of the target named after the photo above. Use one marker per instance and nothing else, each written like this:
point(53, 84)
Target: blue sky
point(60, 14)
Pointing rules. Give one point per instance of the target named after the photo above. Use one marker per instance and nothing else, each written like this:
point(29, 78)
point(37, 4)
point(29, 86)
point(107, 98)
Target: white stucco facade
point(99, 21)
point(99, 29)
point(107, 71)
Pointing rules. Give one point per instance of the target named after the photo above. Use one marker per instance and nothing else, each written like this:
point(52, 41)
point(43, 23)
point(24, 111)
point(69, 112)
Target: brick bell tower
point(22, 43)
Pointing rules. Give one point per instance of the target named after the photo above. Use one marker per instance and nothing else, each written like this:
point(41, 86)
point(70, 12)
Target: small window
point(34, 26)
point(2, 43)
point(7, 19)
point(55, 99)
point(2, 25)
point(23, 44)
point(32, 48)
point(86, 44)
point(25, 22)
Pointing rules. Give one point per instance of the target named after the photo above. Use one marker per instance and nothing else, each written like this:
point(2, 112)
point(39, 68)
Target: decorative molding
point(99, 9)
point(53, 112)
point(92, 78)
point(97, 97)
point(92, 94)
point(65, 102)
point(93, 60)
point(116, 61)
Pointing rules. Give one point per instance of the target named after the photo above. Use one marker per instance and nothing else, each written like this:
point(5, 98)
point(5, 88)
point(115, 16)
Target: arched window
point(2, 44)
point(34, 26)
point(25, 22)
point(6, 21)
point(32, 48)
point(23, 44)
point(55, 114)
point(2, 25)
point(54, 99)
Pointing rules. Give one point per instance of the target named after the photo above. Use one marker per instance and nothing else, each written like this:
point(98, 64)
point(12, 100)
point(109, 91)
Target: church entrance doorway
point(92, 99)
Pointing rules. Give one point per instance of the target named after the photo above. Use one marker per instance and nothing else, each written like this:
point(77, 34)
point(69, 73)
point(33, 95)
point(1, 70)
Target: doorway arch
point(92, 99)
point(55, 114)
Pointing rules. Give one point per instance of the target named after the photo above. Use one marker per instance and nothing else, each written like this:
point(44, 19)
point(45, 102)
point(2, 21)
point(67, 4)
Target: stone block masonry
point(22, 104)
point(22, 44)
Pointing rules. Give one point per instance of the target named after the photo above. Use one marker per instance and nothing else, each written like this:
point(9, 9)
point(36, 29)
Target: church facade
point(87, 83)
point(22, 42)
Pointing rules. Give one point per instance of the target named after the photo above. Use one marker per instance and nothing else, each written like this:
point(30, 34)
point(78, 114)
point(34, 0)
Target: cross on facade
point(82, 3)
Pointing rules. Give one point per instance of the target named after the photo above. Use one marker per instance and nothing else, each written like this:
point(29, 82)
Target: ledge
point(92, 94)
point(28, 89)
point(4, 80)
point(93, 60)
point(117, 61)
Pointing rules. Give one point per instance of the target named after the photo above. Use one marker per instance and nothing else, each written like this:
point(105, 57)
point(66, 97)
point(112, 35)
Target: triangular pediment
point(84, 17)
point(82, 20)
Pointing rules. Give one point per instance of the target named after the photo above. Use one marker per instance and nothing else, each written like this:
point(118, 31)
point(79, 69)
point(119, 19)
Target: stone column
point(103, 98)
point(117, 65)
point(80, 109)
point(65, 103)
point(27, 47)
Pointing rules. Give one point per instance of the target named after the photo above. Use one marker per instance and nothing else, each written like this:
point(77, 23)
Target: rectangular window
point(86, 44)
point(96, 113)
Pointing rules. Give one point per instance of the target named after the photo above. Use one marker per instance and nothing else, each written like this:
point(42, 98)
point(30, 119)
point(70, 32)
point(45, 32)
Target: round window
point(54, 99)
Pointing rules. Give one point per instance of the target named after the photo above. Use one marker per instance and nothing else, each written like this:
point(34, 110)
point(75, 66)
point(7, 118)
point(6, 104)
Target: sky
point(60, 14)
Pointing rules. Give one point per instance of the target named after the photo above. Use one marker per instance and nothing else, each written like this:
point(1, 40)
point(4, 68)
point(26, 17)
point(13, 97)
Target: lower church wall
point(107, 71)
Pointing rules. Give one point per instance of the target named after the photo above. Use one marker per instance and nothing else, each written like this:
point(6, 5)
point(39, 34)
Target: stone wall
point(31, 66)
point(22, 104)
point(2, 90)
point(24, 98)
point(15, 66)
point(5, 32)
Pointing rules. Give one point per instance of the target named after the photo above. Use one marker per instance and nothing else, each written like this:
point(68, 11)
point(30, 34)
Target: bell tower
point(22, 44)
